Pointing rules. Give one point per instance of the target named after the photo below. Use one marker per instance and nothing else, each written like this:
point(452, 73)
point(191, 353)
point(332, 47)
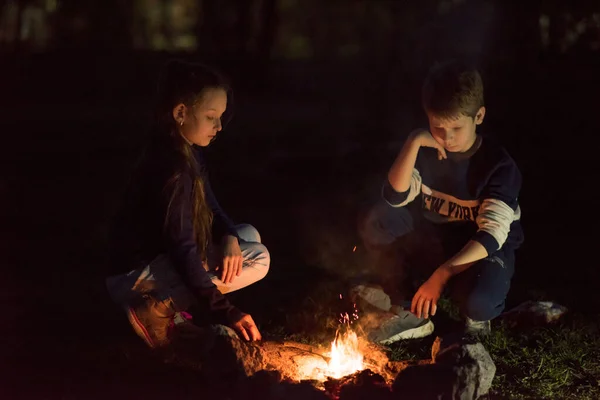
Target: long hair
point(185, 83)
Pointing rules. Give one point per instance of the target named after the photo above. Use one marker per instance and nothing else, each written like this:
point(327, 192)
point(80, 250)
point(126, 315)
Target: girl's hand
point(423, 138)
point(231, 265)
point(246, 328)
point(424, 303)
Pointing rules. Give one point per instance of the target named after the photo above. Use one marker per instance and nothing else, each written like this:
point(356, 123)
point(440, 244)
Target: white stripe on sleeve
point(495, 217)
point(414, 190)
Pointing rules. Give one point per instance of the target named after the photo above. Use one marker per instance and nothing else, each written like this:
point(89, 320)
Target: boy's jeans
point(165, 283)
point(479, 292)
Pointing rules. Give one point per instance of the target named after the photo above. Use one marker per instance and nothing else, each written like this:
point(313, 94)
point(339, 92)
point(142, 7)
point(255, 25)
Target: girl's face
point(202, 122)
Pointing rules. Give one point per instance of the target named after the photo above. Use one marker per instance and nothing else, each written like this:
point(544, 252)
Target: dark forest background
point(325, 92)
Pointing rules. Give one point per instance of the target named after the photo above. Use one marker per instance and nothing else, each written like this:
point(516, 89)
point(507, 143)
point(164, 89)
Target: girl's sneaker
point(151, 319)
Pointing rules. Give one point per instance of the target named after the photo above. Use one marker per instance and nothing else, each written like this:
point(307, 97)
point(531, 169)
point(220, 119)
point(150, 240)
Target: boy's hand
point(424, 303)
point(424, 139)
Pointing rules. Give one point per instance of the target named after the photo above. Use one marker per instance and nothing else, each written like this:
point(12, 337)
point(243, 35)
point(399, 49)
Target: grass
point(562, 361)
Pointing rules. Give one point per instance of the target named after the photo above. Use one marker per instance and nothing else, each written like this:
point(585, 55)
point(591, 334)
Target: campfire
point(348, 367)
point(344, 358)
point(348, 355)
point(348, 361)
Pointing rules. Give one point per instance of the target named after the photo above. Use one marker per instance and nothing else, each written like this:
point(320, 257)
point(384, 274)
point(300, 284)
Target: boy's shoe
point(151, 319)
point(477, 328)
point(399, 326)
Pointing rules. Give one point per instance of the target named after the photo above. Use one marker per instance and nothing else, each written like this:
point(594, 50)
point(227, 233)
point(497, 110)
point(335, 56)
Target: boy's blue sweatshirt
point(480, 186)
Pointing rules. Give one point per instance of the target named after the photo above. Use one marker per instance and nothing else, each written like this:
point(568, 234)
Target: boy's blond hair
point(452, 89)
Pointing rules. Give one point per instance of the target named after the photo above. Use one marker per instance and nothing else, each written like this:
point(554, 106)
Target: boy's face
point(456, 135)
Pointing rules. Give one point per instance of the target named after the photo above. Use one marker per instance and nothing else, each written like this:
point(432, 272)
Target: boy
point(469, 214)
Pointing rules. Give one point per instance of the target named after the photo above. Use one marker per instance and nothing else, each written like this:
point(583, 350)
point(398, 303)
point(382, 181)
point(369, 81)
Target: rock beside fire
point(230, 356)
point(472, 363)
point(217, 352)
point(461, 369)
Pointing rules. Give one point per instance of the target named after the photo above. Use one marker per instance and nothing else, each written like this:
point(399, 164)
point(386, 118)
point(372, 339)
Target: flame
point(345, 357)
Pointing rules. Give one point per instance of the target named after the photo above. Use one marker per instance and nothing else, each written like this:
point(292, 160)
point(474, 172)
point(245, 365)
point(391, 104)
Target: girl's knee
point(263, 256)
point(259, 260)
point(248, 233)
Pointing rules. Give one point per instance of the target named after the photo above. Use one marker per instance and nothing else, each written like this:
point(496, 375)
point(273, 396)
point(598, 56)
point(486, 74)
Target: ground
point(301, 183)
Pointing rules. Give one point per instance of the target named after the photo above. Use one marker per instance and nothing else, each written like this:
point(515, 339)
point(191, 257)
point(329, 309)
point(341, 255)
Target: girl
point(179, 246)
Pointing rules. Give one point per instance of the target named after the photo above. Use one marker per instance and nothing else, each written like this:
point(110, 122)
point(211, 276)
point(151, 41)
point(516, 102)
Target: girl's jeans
point(165, 283)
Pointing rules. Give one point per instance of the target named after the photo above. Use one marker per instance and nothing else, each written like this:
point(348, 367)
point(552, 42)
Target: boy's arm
point(401, 171)
point(467, 256)
point(424, 302)
point(404, 181)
